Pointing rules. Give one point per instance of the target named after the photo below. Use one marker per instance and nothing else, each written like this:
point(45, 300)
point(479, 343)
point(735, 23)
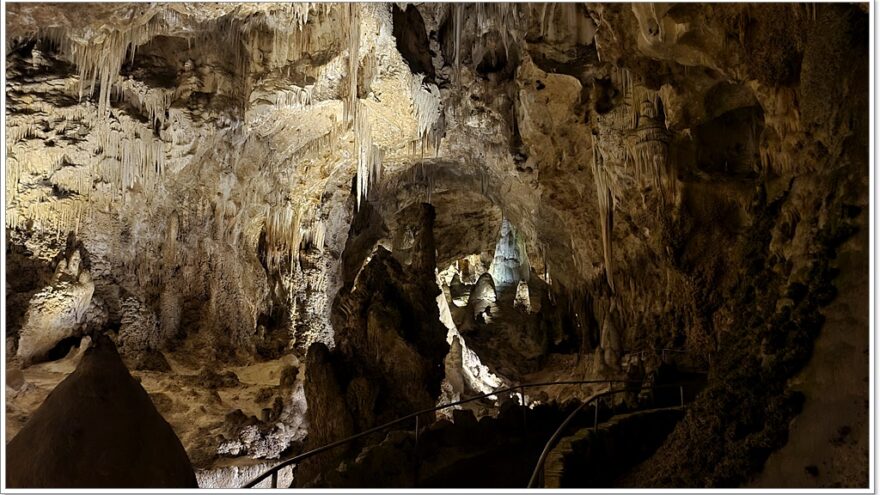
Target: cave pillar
point(424, 254)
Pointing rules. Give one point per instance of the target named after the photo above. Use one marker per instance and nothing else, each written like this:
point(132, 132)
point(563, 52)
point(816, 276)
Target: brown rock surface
point(98, 429)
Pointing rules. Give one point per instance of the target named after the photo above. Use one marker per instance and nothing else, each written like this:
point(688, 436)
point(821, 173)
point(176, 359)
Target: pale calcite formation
point(57, 311)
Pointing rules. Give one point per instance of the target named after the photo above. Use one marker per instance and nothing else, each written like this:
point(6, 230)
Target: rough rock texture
point(211, 412)
point(595, 457)
point(98, 429)
point(826, 447)
point(58, 311)
point(390, 349)
point(388, 331)
point(247, 180)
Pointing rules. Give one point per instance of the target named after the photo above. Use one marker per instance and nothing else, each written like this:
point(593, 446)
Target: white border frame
point(872, 315)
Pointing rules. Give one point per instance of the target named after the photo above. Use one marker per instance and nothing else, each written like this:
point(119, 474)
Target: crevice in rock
point(412, 40)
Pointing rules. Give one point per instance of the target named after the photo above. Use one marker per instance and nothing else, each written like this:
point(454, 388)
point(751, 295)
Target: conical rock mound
point(98, 429)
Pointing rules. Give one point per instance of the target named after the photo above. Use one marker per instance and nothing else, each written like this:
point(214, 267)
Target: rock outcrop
point(390, 349)
point(98, 429)
point(58, 311)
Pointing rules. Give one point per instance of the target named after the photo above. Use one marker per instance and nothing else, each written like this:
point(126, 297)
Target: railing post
point(275, 479)
point(416, 456)
point(596, 414)
point(522, 400)
point(681, 394)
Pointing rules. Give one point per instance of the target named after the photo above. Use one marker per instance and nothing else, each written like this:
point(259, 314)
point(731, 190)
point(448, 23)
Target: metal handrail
point(595, 401)
point(305, 455)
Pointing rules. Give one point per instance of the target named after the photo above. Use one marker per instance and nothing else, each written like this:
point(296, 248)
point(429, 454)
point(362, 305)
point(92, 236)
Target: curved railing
point(273, 471)
point(594, 400)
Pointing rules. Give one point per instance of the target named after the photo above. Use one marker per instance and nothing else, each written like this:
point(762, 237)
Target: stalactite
point(606, 208)
point(428, 110)
point(316, 147)
point(100, 58)
point(140, 155)
point(648, 149)
point(283, 29)
point(41, 161)
point(544, 7)
point(16, 132)
point(369, 156)
point(502, 17)
point(295, 97)
point(424, 175)
point(542, 248)
point(291, 229)
point(426, 103)
point(13, 219)
point(457, 25)
point(54, 216)
point(624, 115)
point(13, 176)
point(657, 20)
point(354, 34)
point(313, 232)
point(154, 102)
point(369, 69)
point(283, 234)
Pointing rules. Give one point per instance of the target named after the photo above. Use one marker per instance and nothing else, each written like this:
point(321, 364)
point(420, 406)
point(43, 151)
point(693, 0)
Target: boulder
point(98, 429)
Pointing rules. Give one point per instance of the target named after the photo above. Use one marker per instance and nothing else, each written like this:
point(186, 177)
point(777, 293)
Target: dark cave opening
point(63, 348)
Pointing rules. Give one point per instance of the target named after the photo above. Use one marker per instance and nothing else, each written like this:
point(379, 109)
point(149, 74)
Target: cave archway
point(476, 230)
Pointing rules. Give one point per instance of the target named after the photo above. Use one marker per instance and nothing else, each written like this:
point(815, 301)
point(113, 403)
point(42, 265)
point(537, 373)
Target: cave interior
point(628, 242)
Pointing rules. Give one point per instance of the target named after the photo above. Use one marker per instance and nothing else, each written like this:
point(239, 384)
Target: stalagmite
point(522, 299)
point(244, 180)
point(510, 264)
